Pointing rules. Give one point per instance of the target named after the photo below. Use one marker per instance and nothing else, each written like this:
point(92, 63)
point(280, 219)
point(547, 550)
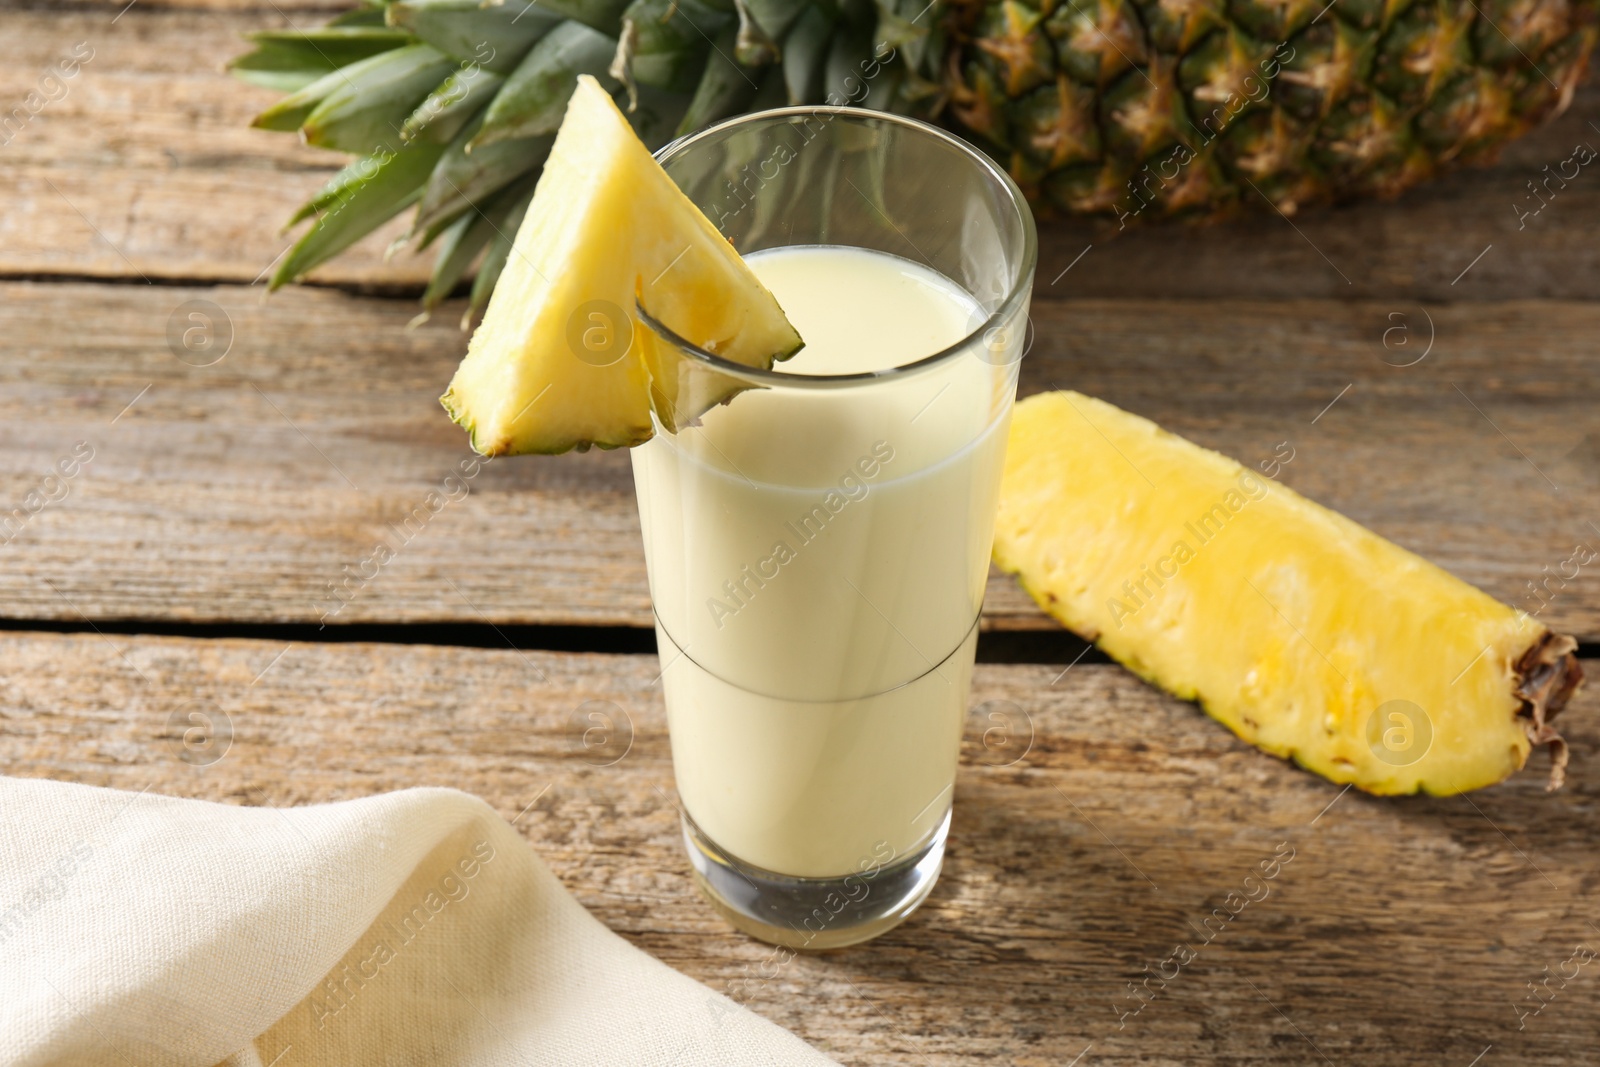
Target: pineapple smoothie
point(818, 560)
point(817, 534)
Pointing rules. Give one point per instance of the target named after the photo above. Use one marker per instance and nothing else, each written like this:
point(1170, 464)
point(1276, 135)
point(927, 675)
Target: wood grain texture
point(1095, 833)
point(1102, 831)
point(242, 491)
point(148, 167)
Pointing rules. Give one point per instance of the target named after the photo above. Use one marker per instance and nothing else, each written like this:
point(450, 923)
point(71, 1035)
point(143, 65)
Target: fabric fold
point(412, 927)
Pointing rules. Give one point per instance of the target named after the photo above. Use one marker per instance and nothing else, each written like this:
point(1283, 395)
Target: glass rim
point(1006, 308)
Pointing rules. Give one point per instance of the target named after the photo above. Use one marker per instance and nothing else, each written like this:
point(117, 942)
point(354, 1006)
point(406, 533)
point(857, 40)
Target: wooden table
point(188, 565)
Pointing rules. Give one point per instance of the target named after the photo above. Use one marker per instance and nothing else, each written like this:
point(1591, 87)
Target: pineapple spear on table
point(1301, 631)
point(1128, 109)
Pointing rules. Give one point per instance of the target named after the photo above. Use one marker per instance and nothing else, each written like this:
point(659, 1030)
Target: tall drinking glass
point(818, 544)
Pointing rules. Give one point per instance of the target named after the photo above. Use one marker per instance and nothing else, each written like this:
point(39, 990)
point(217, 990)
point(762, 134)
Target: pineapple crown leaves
point(450, 106)
point(752, 45)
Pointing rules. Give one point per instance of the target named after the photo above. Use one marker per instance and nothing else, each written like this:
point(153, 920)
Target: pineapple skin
point(1289, 623)
point(1143, 109)
point(606, 228)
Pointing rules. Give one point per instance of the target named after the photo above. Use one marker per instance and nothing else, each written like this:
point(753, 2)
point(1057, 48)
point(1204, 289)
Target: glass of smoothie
point(818, 541)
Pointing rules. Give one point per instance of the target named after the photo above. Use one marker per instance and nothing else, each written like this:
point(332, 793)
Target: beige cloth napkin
point(411, 928)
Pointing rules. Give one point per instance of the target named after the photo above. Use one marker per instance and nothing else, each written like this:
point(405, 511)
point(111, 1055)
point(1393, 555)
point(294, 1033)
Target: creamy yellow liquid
point(817, 563)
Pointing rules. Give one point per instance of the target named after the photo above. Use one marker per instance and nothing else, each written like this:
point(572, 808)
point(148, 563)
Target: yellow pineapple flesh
point(561, 360)
point(1300, 630)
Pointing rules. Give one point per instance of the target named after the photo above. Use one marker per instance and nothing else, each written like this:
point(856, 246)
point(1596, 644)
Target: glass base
point(815, 913)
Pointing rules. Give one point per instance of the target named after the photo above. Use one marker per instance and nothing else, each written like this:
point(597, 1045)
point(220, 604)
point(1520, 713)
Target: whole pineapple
point(1130, 109)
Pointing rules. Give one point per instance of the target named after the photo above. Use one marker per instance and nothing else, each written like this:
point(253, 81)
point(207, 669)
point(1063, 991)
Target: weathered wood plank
point(1402, 931)
point(148, 166)
point(242, 491)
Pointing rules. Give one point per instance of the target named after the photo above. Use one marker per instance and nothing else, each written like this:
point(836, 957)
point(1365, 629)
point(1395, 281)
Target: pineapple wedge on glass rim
point(560, 360)
point(1303, 632)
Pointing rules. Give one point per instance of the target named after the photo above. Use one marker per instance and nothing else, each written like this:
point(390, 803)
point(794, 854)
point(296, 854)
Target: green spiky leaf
point(657, 115)
point(850, 56)
point(456, 254)
point(289, 60)
point(369, 193)
point(805, 54)
point(753, 46)
point(725, 88)
point(456, 102)
point(374, 97)
point(668, 41)
point(470, 235)
point(354, 171)
point(492, 36)
point(774, 16)
point(600, 15)
point(366, 15)
point(535, 96)
point(462, 179)
point(292, 111)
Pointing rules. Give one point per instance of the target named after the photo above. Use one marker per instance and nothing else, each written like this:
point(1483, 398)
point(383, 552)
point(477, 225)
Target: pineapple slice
point(1301, 631)
point(560, 360)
